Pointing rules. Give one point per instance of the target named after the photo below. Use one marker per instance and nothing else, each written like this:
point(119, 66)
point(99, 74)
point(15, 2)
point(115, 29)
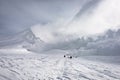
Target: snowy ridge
point(21, 39)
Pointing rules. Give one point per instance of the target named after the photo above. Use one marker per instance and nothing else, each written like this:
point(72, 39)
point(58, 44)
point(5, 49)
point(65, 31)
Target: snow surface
point(55, 67)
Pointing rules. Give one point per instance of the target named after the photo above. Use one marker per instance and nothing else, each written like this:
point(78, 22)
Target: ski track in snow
point(55, 68)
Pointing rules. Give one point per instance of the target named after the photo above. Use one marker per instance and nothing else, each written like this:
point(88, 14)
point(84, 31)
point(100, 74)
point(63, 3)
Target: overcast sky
point(16, 15)
point(50, 17)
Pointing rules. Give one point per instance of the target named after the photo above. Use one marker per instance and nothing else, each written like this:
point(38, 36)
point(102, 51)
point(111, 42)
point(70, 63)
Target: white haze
point(103, 16)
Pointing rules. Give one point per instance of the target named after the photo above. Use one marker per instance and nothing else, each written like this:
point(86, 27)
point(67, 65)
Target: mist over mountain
point(107, 43)
point(47, 25)
point(21, 39)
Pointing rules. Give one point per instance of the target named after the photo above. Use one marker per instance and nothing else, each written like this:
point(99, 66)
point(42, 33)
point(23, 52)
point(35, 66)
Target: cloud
point(105, 44)
point(61, 17)
point(90, 18)
point(88, 7)
point(17, 15)
point(105, 15)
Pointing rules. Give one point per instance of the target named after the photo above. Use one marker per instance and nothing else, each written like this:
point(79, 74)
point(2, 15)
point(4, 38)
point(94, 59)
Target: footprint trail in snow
point(51, 67)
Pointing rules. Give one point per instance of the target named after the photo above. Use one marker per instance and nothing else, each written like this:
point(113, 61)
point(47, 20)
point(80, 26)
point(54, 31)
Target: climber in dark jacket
point(70, 57)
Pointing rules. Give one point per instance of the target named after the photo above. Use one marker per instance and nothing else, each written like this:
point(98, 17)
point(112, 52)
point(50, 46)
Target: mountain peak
point(22, 38)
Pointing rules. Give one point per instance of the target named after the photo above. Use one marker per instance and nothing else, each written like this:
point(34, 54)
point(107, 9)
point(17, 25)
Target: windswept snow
point(55, 67)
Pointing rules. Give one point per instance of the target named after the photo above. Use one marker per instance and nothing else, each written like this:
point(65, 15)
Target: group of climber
point(68, 56)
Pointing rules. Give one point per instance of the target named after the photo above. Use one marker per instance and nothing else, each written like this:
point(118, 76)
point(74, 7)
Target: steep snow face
point(28, 36)
point(21, 39)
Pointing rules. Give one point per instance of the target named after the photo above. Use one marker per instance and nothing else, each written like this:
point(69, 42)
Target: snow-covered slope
point(55, 67)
